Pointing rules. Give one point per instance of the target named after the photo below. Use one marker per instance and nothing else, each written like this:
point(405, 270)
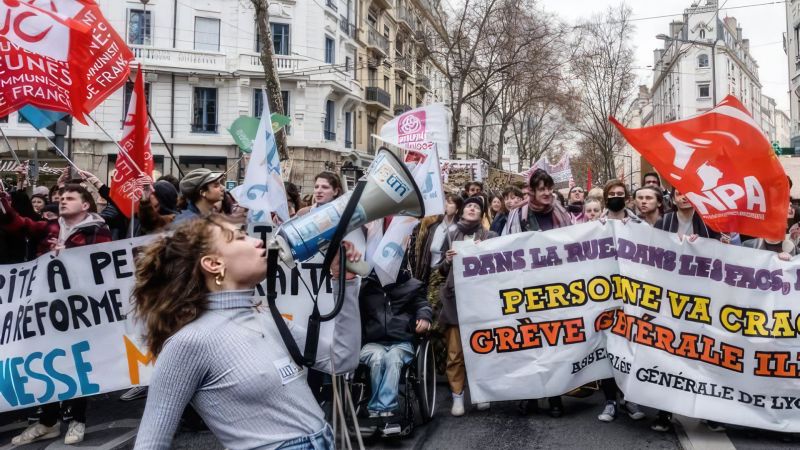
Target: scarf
point(468, 227)
point(539, 208)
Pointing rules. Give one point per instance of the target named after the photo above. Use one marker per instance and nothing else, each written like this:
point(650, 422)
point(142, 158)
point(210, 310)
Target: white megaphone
point(390, 190)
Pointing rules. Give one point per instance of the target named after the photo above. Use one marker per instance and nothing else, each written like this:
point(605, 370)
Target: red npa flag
point(127, 182)
point(58, 55)
point(725, 166)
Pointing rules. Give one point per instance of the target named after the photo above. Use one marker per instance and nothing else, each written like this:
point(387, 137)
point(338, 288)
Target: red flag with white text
point(128, 179)
point(725, 166)
point(59, 55)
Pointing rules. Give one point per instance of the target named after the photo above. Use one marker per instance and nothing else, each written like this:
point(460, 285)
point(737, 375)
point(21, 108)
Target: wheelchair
point(416, 395)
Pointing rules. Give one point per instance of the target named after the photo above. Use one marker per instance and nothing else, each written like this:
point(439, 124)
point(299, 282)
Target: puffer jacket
point(389, 314)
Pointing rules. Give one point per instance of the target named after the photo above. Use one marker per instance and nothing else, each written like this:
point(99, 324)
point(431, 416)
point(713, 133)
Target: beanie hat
point(475, 199)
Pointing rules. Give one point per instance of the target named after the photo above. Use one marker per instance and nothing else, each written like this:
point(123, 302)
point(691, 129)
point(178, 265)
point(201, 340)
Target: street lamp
point(630, 160)
point(713, 45)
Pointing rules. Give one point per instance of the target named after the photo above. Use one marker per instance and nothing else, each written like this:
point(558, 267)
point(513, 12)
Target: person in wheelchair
point(390, 317)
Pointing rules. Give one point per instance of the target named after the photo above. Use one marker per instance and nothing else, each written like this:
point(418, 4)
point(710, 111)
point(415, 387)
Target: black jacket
point(668, 222)
point(389, 314)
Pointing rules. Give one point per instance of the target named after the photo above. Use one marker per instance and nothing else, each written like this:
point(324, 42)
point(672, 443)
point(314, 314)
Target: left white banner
point(65, 329)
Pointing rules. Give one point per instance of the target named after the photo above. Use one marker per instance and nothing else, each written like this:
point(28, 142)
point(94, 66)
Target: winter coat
point(447, 293)
point(499, 223)
point(92, 230)
point(389, 314)
point(669, 222)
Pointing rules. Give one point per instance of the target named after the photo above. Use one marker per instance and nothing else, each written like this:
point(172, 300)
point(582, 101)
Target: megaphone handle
point(359, 267)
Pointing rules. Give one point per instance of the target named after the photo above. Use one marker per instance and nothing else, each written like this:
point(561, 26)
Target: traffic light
point(59, 129)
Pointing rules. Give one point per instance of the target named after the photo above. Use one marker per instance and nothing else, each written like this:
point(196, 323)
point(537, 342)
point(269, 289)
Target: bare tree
point(476, 47)
point(270, 71)
point(603, 71)
point(538, 127)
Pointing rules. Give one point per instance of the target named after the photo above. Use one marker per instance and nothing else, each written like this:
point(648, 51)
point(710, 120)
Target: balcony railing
point(348, 28)
point(423, 82)
point(329, 135)
point(376, 94)
point(375, 39)
point(400, 109)
point(187, 59)
point(406, 18)
point(405, 64)
point(283, 63)
point(205, 128)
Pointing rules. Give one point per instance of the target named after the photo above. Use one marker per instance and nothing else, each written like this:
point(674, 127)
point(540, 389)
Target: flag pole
point(164, 140)
point(13, 153)
point(122, 150)
point(59, 151)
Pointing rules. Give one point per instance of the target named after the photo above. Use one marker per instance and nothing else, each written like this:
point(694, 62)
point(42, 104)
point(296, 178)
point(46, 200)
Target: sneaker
point(714, 426)
point(387, 413)
point(458, 405)
point(374, 414)
point(37, 432)
point(662, 424)
point(609, 412)
point(75, 432)
point(134, 393)
point(483, 406)
point(634, 412)
point(391, 429)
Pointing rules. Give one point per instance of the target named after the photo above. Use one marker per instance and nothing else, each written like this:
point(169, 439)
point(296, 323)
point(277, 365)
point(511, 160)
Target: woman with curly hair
point(218, 348)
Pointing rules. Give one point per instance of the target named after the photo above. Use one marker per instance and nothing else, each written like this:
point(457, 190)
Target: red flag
point(725, 166)
point(127, 182)
point(588, 179)
point(60, 56)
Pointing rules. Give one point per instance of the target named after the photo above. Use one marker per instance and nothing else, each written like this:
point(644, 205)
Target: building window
point(797, 41)
point(280, 38)
point(386, 83)
point(348, 132)
point(139, 27)
point(704, 90)
point(398, 94)
point(204, 119)
point(126, 97)
point(373, 77)
point(702, 34)
point(330, 134)
point(372, 17)
point(330, 52)
point(702, 60)
point(206, 34)
point(347, 63)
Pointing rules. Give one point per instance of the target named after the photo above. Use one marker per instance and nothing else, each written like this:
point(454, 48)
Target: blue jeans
point(385, 363)
point(321, 440)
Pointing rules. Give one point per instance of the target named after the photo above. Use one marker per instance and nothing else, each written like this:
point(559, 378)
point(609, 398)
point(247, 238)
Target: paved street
point(112, 425)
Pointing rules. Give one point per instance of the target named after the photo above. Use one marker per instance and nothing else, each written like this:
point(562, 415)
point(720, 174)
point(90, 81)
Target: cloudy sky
point(763, 24)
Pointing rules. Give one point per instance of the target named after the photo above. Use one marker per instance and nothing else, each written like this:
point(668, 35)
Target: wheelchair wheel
point(426, 380)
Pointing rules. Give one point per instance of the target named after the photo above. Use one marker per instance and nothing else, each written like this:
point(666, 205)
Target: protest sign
point(66, 329)
point(699, 328)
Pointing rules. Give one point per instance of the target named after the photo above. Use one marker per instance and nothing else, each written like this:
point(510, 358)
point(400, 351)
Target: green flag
point(244, 129)
point(279, 121)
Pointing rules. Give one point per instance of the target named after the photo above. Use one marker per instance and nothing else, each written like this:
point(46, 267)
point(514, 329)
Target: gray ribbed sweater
point(233, 367)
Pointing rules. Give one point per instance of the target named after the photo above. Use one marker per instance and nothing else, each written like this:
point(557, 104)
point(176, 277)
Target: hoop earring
point(220, 278)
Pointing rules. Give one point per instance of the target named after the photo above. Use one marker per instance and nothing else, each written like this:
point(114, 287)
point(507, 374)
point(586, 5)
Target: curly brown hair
point(170, 290)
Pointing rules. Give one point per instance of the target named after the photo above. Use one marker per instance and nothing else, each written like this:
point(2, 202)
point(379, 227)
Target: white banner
point(699, 328)
point(65, 330)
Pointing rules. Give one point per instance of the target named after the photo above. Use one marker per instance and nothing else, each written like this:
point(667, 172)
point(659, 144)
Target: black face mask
point(615, 204)
point(575, 208)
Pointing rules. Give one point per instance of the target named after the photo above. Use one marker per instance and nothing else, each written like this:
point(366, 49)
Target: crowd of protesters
point(224, 265)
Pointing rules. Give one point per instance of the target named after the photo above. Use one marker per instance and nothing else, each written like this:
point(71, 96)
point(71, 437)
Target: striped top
point(233, 367)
